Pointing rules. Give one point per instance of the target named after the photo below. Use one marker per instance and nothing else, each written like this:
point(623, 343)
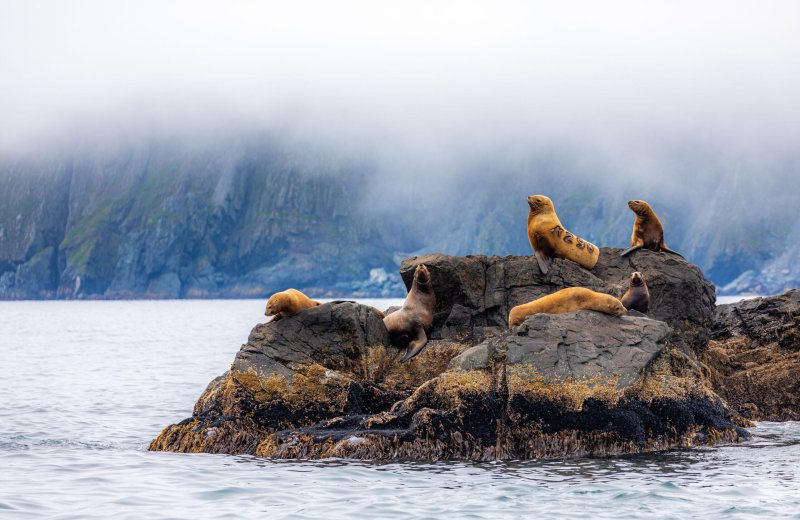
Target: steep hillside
point(171, 220)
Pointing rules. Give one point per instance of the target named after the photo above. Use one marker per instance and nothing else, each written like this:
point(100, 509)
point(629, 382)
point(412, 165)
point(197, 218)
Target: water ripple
point(86, 389)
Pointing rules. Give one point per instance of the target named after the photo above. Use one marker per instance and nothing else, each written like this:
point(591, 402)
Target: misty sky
point(424, 79)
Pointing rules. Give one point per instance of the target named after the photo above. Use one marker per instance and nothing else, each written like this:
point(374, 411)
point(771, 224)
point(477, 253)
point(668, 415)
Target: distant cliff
point(167, 220)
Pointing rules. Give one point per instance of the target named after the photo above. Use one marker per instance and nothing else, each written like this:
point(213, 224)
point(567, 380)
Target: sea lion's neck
point(540, 214)
point(421, 286)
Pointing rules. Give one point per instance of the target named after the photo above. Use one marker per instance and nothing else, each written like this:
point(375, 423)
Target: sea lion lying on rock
point(550, 240)
point(637, 297)
point(567, 300)
point(288, 303)
point(408, 326)
point(648, 232)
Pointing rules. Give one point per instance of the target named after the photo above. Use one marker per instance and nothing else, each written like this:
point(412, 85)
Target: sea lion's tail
point(668, 250)
point(631, 250)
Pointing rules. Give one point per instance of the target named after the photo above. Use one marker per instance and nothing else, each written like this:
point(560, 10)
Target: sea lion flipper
point(416, 346)
point(631, 250)
point(668, 250)
point(543, 260)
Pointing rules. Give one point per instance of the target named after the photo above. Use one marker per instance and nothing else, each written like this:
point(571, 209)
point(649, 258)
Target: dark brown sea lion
point(637, 297)
point(288, 303)
point(550, 240)
point(408, 326)
point(648, 232)
point(567, 300)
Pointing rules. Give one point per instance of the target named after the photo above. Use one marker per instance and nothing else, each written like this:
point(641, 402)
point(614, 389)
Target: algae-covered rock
point(515, 414)
point(474, 294)
point(576, 345)
point(325, 383)
point(326, 362)
point(754, 355)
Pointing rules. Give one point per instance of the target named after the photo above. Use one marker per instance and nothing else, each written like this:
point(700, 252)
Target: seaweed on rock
point(326, 383)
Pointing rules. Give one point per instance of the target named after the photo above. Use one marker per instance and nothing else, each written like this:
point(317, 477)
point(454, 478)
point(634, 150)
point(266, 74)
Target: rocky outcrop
point(754, 355)
point(335, 335)
point(512, 411)
point(474, 294)
point(325, 383)
point(574, 346)
point(329, 361)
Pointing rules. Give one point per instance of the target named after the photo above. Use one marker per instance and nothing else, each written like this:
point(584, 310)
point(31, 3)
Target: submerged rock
point(474, 294)
point(754, 355)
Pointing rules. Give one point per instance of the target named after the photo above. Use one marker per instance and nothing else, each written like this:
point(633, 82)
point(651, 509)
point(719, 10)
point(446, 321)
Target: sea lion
point(550, 240)
point(408, 326)
point(648, 232)
point(567, 300)
point(288, 303)
point(637, 297)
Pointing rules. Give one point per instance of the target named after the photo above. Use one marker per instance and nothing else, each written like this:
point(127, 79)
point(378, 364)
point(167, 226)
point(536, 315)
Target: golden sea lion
point(408, 326)
point(637, 297)
point(567, 300)
point(288, 303)
point(550, 240)
point(648, 232)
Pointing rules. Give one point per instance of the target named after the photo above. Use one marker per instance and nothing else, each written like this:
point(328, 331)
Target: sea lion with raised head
point(550, 240)
point(648, 232)
point(567, 300)
point(637, 297)
point(288, 303)
point(408, 326)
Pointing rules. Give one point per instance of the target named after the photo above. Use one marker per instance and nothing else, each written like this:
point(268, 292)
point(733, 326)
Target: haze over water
point(87, 385)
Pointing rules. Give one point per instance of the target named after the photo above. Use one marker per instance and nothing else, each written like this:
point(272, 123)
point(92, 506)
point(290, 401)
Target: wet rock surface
point(575, 345)
point(325, 383)
point(474, 294)
point(754, 354)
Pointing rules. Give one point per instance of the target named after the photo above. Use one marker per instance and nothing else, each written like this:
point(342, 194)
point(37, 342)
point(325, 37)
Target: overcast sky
point(421, 78)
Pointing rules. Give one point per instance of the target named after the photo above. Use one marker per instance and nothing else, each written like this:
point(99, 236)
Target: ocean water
point(84, 387)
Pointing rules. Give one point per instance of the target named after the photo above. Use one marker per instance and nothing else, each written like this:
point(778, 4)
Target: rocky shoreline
point(327, 383)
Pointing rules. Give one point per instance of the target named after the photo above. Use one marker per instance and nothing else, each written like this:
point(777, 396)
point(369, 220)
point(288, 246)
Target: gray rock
point(754, 357)
point(474, 294)
point(575, 345)
point(334, 335)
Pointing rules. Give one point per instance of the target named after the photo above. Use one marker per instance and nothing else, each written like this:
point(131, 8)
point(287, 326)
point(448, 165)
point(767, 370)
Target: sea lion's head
point(421, 275)
point(275, 304)
point(540, 204)
point(640, 207)
point(637, 279)
point(615, 307)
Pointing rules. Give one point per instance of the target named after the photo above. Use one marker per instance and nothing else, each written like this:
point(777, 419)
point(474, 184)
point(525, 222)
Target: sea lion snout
point(637, 278)
point(540, 204)
point(422, 274)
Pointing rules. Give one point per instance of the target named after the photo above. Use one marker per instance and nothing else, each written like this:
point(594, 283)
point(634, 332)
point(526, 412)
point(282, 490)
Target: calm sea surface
point(84, 386)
